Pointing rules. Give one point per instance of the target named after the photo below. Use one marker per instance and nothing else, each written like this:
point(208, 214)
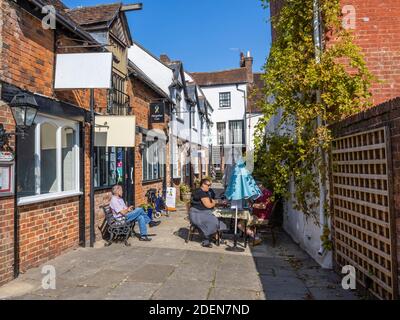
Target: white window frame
point(60, 124)
point(228, 93)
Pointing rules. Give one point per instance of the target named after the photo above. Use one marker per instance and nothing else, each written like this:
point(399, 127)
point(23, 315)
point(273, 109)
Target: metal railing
point(118, 103)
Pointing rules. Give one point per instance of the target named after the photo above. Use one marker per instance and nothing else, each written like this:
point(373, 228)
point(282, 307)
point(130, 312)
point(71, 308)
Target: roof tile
point(220, 77)
point(95, 14)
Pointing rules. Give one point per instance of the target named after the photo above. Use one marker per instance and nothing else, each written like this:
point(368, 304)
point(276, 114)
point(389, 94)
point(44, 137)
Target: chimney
point(247, 62)
point(165, 59)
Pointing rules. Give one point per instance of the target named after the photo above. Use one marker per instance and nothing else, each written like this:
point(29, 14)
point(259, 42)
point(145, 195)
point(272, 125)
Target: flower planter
point(186, 197)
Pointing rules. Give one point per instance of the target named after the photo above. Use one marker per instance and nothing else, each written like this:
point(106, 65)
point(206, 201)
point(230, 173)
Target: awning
point(115, 131)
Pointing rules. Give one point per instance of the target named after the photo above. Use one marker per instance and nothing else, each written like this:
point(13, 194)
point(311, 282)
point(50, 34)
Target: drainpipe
point(322, 179)
point(171, 146)
point(245, 108)
point(92, 124)
point(16, 211)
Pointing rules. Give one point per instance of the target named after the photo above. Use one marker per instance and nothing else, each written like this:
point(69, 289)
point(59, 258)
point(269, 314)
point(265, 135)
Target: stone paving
point(167, 268)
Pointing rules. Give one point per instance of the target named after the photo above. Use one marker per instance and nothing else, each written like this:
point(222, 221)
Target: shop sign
point(6, 156)
point(157, 112)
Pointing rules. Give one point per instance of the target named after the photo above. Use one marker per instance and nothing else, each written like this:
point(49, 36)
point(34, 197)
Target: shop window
point(153, 161)
point(108, 166)
point(48, 160)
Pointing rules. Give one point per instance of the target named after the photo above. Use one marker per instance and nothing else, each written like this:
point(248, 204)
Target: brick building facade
point(49, 227)
point(49, 216)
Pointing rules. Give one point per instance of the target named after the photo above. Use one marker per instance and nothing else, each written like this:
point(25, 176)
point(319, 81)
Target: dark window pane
point(48, 159)
point(26, 164)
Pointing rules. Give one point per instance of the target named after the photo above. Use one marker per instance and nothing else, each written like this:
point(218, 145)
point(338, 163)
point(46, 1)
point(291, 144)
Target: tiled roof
point(93, 15)
point(256, 94)
point(61, 9)
point(57, 4)
point(220, 77)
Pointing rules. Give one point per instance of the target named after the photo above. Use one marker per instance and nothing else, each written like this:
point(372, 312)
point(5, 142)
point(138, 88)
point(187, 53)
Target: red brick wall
point(6, 239)
point(46, 230)
point(141, 99)
point(101, 198)
point(377, 32)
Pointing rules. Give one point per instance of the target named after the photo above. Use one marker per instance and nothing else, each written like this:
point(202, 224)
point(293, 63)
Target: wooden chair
point(267, 224)
point(193, 229)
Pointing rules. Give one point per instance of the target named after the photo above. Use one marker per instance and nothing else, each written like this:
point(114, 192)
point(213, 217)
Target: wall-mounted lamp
point(142, 147)
point(24, 109)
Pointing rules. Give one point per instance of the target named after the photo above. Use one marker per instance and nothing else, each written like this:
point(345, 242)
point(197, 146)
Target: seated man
point(262, 209)
point(119, 209)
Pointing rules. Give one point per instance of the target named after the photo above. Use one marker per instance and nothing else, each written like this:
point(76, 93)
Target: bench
point(113, 228)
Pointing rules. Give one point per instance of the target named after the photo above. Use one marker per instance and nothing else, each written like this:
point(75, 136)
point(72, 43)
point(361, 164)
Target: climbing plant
point(291, 151)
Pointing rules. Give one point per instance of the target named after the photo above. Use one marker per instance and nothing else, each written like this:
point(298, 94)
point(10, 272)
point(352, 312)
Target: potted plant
point(148, 208)
point(185, 192)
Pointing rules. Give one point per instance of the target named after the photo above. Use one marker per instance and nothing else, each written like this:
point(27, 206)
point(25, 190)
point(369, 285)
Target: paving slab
point(235, 294)
point(176, 289)
point(152, 273)
point(168, 268)
point(133, 291)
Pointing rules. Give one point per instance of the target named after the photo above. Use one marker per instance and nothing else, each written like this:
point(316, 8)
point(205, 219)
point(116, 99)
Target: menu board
point(5, 179)
point(170, 200)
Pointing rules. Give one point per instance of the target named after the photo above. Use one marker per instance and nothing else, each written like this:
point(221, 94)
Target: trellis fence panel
point(363, 225)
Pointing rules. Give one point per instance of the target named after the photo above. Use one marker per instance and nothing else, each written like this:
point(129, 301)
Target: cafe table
point(228, 213)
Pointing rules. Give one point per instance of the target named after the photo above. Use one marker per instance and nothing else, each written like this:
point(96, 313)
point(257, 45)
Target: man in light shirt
point(120, 209)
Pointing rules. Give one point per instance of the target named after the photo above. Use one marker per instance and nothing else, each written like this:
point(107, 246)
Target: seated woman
point(201, 215)
point(262, 209)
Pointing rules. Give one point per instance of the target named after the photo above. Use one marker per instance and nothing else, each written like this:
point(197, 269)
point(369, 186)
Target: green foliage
point(184, 188)
point(292, 79)
point(325, 238)
point(146, 207)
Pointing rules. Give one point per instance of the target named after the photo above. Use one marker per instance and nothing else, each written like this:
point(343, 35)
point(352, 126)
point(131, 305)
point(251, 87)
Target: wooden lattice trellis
point(362, 223)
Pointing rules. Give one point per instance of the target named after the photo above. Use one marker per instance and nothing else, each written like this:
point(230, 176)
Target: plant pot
point(186, 197)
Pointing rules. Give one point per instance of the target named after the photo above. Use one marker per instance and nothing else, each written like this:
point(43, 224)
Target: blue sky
point(205, 34)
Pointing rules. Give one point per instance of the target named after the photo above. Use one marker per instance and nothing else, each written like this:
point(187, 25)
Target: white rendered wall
point(236, 112)
point(304, 231)
point(252, 120)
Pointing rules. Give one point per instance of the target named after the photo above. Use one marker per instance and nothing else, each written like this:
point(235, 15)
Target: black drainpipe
point(92, 124)
point(82, 224)
point(16, 214)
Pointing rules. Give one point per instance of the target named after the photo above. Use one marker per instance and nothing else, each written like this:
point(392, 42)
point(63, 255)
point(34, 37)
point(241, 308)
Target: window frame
point(160, 167)
point(224, 134)
point(221, 106)
point(231, 122)
point(60, 124)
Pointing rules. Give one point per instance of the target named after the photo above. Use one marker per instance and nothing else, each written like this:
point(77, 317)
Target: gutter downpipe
point(171, 146)
point(92, 213)
point(245, 114)
point(322, 180)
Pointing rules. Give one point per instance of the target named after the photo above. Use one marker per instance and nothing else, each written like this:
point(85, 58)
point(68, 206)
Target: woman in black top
point(201, 214)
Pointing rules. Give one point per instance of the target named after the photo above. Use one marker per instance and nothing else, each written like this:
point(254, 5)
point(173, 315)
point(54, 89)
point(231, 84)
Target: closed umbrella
point(241, 186)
